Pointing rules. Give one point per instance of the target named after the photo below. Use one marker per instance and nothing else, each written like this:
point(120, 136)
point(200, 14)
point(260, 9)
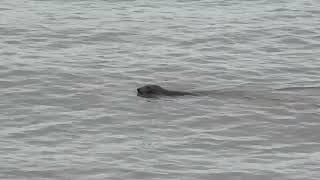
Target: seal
point(153, 91)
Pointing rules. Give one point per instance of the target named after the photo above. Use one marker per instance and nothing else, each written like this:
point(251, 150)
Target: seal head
point(152, 91)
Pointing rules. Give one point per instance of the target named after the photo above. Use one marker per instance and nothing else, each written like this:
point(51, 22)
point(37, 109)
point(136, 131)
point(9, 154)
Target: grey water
point(69, 72)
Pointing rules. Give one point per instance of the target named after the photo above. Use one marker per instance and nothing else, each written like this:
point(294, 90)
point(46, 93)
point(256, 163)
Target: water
point(69, 72)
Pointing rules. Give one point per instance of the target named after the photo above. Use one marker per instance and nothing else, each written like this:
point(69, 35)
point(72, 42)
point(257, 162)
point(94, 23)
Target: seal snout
point(139, 90)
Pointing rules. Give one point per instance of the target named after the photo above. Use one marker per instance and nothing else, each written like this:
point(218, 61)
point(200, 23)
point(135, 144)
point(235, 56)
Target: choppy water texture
point(69, 72)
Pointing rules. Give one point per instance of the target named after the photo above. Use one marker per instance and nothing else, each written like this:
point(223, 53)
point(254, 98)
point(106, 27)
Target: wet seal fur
point(154, 91)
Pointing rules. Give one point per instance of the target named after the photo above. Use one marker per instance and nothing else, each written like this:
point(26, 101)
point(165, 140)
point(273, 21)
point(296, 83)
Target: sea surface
point(69, 70)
